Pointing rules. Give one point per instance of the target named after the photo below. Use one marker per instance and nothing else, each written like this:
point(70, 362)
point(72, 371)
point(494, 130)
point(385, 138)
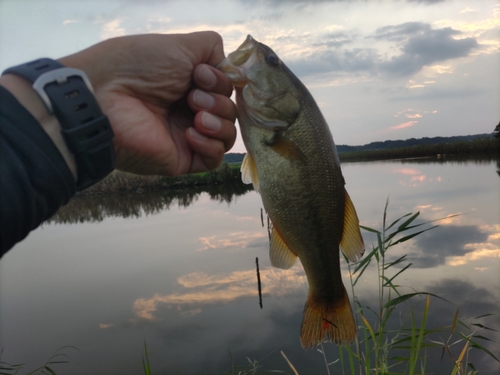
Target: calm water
point(179, 271)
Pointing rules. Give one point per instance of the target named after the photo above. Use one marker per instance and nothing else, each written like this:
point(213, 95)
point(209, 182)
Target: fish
point(292, 162)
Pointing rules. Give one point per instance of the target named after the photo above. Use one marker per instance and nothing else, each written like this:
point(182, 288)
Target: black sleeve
point(34, 178)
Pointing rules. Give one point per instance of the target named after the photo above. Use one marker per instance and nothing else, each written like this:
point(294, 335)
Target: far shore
point(229, 173)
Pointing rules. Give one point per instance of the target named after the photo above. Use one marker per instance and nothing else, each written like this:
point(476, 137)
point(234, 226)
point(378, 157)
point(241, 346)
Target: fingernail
point(203, 99)
point(210, 122)
point(207, 77)
point(195, 134)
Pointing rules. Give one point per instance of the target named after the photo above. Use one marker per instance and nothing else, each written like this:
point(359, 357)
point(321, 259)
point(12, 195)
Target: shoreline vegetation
point(229, 171)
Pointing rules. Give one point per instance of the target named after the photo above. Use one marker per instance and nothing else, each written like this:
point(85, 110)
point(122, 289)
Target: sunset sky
point(378, 69)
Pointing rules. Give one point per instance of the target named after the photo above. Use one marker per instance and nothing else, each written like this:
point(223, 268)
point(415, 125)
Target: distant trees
point(496, 132)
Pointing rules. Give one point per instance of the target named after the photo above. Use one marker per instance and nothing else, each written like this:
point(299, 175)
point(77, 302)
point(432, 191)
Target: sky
point(379, 70)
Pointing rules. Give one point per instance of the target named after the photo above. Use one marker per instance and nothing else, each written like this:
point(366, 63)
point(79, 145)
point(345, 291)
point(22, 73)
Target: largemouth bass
point(293, 163)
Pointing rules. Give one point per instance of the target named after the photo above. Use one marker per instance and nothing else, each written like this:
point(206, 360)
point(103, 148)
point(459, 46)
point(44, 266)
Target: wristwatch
point(68, 94)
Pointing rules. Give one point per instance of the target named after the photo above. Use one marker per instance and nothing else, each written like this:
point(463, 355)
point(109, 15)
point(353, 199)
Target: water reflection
point(453, 243)
point(185, 279)
point(447, 159)
point(95, 208)
point(200, 289)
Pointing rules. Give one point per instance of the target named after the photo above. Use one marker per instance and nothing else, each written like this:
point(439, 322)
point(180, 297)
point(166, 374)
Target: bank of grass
point(123, 182)
point(487, 147)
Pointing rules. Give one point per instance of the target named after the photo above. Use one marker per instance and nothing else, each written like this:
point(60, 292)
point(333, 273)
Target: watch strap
point(68, 94)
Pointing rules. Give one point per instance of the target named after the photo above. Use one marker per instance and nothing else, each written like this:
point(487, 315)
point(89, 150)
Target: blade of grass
point(289, 363)
point(458, 362)
point(397, 220)
point(145, 360)
point(421, 333)
point(479, 346)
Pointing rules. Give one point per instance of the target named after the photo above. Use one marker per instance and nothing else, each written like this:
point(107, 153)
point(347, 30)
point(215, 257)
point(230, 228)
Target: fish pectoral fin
point(280, 254)
point(249, 172)
point(286, 148)
point(352, 244)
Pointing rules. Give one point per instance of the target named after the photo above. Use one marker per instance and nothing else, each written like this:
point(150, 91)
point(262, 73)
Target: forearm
point(34, 178)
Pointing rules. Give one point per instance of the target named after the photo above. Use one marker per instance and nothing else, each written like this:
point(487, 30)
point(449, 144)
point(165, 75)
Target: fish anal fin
point(279, 253)
point(249, 172)
point(352, 244)
point(332, 319)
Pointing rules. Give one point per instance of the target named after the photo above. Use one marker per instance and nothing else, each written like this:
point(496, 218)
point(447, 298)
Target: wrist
point(67, 93)
point(23, 91)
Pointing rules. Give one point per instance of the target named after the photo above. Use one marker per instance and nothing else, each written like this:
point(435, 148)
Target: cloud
point(353, 60)
point(334, 40)
point(422, 46)
point(112, 29)
point(427, 2)
point(468, 10)
point(418, 43)
point(404, 125)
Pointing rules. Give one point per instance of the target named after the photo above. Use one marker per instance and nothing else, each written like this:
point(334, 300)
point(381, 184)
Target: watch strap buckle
point(58, 76)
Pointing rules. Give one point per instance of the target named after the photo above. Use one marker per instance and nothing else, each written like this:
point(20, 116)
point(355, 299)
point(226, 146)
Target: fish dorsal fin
point(352, 244)
point(279, 253)
point(249, 172)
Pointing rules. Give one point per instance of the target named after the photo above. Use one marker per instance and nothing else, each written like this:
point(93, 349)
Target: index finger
point(205, 46)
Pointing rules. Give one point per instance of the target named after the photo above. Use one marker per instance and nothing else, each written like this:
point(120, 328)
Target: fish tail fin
point(325, 317)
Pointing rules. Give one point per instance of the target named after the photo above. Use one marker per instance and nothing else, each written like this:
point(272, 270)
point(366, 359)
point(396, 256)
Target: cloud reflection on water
point(454, 245)
point(240, 240)
point(222, 288)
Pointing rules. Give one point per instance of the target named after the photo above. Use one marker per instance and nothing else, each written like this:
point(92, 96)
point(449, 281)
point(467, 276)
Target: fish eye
point(273, 60)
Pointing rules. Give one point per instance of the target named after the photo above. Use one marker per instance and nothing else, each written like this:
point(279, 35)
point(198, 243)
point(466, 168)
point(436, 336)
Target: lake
point(177, 269)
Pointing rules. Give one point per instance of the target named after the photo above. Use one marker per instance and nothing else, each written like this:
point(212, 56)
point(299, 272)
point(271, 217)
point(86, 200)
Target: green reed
point(379, 350)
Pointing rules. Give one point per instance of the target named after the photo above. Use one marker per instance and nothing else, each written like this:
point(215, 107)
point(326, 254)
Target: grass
point(120, 182)
point(47, 368)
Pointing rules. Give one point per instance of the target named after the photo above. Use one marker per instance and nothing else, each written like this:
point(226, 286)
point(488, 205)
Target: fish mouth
point(235, 64)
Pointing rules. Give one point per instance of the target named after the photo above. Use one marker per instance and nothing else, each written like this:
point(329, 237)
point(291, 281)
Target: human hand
point(168, 106)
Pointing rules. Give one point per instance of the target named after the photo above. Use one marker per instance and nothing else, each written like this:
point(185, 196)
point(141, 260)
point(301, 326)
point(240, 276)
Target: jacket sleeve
point(34, 178)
